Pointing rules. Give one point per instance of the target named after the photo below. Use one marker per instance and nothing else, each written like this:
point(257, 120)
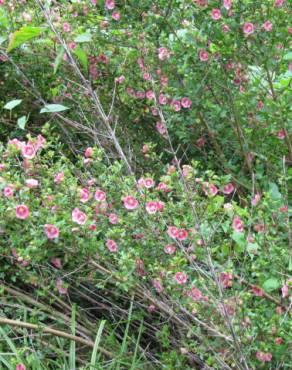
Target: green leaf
point(240, 241)
point(21, 122)
point(85, 37)
point(24, 34)
point(53, 108)
point(58, 59)
point(271, 284)
point(2, 39)
point(288, 56)
point(81, 55)
point(12, 104)
point(274, 191)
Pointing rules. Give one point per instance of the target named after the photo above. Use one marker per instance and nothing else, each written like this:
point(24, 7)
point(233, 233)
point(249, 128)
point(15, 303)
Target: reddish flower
point(172, 231)
point(163, 53)
point(169, 249)
point(19, 366)
point(151, 207)
point(181, 278)
point(28, 151)
point(281, 134)
point(130, 202)
point(195, 294)
point(226, 279)
point(88, 152)
point(237, 224)
point(267, 26)
point(51, 231)
point(100, 195)
point(84, 195)
point(279, 341)
point(116, 16)
point(248, 28)
point(110, 4)
point(56, 262)
point(257, 291)
point(228, 189)
point(283, 209)
point(186, 102)
point(264, 356)
point(203, 55)
point(111, 245)
point(8, 191)
point(182, 234)
point(216, 14)
point(175, 105)
point(78, 216)
point(22, 211)
point(160, 206)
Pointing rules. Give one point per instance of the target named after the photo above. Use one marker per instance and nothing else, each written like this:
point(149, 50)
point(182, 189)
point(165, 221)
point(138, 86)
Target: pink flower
point(216, 14)
point(59, 177)
point(116, 16)
point(157, 285)
point(260, 105)
point(201, 142)
point(110, 4)
point(264, 356)
point(111, 245)
point(31, 183)
point(169, 249)
point(78, 216)
point(150, 95)
point(88, 152)
point(283, 209)
point(256, 199)
point(163, 187)
point(100, 195)
point(130, 202)
point(201, 3)
point(60, 286)
point(172, 231)
point(181, 278)
point(285, 291)
point(175, 105)
point(151, 308)
point(225, 28)
point(226, 279)
point(19, 366)
point(149, 183)
point(248, 28)
point(279, 3)
point(182, 234)
point(56, 262)
point(66, 27)
point(84, 195)
point(22, 211)
point(163, 53)
point(267, 26)
point(259, 228)
point(160, 206)
point(28, 151)
point(162, 99)
point(210, 189)
point(279, 341)
point(151, 207)
point(161, 128)
point(195, 294)
point(113, 218)
point(164, 81)
point(120, 79)
point(237, 224)
point(281, 134)
point(51, 231)
point(186, 102)
point(257, 291)
point(228, 189)
point(203, 55)
point(8, 191)
point(227, 4)
point(72, 45)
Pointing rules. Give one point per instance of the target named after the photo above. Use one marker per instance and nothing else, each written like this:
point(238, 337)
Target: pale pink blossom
point(56, 262)
point(51, 231)
point(88, 152)
point(279, 3)
point(163, 53)
point(267, 26)
point(225, 28)
point(150, 95)
point(195, 294)
point(162, 99)
point(157, 285)
point(8, 191)
point(210, 189)
point(228, 206)
point(264, 356)
point(285, 291)
point(78, 216)
point(146, 76)
point(215, 14)
point(113, 218)
point(151, 207)
point(31, 183)
point(203, 55)
point(66, 27)
point(28, 151)
point(175, 105)
point(237, 224)
point(228, 189)
point(256, 199)
point(111, 245)
point(110, 4)
point(22, 211)
point(181, 278)
point(18, 366)
point(186, 102)
point(16, 143)
point(161, 128)
point(164, 81)
point(84, 195)
point(248, 28)
point(163, 187)
point(59, 177)
point(169, 249)
point(149, 183)
point(100, 195)
point(62, 289)
point(130, 202)
point(172, 231)
point(120, 79)
point(227, 4)
point(116, 16)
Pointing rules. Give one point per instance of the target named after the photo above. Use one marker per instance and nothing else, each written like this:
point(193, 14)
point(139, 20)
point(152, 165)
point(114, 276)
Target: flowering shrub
point(189, 245)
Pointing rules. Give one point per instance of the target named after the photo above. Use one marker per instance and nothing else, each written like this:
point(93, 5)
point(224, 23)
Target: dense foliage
point(144, 170)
